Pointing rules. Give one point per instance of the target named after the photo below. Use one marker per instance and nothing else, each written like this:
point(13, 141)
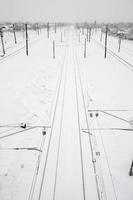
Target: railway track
point(36, 193)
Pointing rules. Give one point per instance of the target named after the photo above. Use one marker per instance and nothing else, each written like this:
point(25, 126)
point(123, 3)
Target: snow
point(29, 85)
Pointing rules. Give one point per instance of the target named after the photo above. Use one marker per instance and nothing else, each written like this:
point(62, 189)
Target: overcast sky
point(66, 10)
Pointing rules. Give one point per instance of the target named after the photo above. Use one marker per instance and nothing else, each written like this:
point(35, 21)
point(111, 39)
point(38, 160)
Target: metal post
point(106, 35)
point(2, 41)
point(26, 34)
point(15, 39)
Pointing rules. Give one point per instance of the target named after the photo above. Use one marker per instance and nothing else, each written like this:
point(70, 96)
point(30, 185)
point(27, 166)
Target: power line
point(105, 129)
point(21, 148)
point(109, 110)
point(11, 134)
point(115, 116)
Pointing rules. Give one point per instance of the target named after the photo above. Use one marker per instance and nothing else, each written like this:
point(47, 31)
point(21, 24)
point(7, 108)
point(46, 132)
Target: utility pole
point(106, 37)
point(2, 41)
point(48, 30)
point(87, 33)
point(90, 34)
point(79, 36)
point(61, 37)
point(85, 49)
point(53, 49)
point(101, 35)
point(55, 28)
point(131, 170)
point(15, 39)
point(37, 27)
point(82, 30)
point(95, 24)
point(26, 34)
point(23, 30)
point(119, 43)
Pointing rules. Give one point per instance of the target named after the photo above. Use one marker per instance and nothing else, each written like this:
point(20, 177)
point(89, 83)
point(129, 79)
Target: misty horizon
point(67, 11)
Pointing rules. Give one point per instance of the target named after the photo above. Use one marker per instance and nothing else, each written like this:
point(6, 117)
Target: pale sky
point(66, 10)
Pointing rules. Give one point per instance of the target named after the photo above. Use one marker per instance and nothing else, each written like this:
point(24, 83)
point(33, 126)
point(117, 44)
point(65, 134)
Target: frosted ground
point(41, 91)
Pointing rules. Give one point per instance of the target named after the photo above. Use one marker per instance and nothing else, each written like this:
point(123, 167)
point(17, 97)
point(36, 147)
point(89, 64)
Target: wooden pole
point(106, 38)
point(131, 170)
point(53, 49)
point(87, 33)
point(15, 39)
point(101, 36)
point(55, 28)
point(26, 34)
point(38, 31)
point(23, 30)
point(119, 43)
point(61, 36)
point(82, 30)
point(48, 30)
point(90, 34)
point(2, 41)
point(79, 36)
point(85, 49)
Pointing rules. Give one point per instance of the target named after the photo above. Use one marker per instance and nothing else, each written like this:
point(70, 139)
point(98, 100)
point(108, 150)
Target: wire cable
point(18, 132)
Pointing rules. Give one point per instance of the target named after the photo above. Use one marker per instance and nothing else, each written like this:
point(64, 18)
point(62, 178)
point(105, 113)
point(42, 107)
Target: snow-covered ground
point(42, 91)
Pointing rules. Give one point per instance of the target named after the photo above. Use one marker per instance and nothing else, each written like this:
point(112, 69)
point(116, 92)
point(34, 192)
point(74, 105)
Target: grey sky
point(66, 10)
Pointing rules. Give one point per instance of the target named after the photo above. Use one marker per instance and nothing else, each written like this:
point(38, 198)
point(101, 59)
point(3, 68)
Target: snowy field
point(86, 105)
